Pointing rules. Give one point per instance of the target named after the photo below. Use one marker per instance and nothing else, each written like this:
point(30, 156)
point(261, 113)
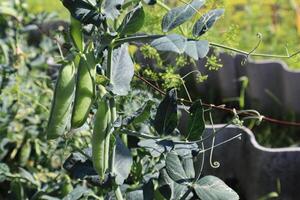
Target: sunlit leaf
point(133, 21)
point(112, 8)
point(157, 147)
point(122, 161)
point(173, 42)
point(166, 118)
point(122, 71)
point(188, 165)
point(169, 188)
point(206, 22)
point(197, 49)
point(177, 16)
point(213, 188)
point(175, 169)
point(84, 12)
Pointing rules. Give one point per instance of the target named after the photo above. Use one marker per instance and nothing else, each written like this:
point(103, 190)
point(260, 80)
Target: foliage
point(143, 153)
point(115, 24)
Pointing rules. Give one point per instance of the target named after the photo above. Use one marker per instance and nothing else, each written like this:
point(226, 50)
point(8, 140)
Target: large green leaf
point(84, 12)
point(136, 194)
point(141, 115)
point(175, 169)
point(122, 71)
point(188, 165)
point(156, 147)
point(177, 16)
point(122, 162)
point(172, 42)
point(28, 176)
point(166, 118)
point(196, 121)
point(170, 189)
point(197, 49)
point(76, 34)
point(133, 21)
point(213, 188)
point(111, 8)
point(206, 22)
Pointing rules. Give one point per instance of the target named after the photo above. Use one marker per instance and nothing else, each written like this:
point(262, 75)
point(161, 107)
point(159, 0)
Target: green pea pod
point(62, 101)
point(85, 90)
point(101, 128)
point(25, 153)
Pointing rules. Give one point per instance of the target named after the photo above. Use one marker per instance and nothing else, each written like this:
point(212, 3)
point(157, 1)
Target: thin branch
point(253, 54)
point(134, 38)
point(223, 108)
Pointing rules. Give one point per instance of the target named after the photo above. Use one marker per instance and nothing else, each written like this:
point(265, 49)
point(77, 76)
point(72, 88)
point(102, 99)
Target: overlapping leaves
point(84, 12)
point(177, 16)
point(179, 44)
point(206, 22)
point(166, 119)
point(133, 21)
point(178, 178)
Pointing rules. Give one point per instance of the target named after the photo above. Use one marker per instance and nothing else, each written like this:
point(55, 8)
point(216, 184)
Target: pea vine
point(96, 73)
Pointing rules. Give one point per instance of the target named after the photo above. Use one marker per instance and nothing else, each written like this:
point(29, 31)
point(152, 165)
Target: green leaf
point(122, 162)
point(84, 12)
point(76, 34)
point(122, 71)
point(111, 8)
point(196, 121)
point(141, 115)
point(213, 188)
point(206, 22)
point(156, 148)
point(4, 170)
point(173, 42)
point(188, 165)
point(17, 190)
point(177, 16)
point(28, 176)
point(137, 194)
point(197, 49)
point(175, 169)
point(78, 193)
point(170, 189)
point(166, 119)
point(133, 21)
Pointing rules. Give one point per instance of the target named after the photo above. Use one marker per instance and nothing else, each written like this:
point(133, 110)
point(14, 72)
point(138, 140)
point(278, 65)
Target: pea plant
point(94, 79)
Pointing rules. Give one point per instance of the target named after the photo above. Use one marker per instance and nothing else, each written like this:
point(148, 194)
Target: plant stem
point(109, 62)
point(118, 194)
point(112, 105)
point(252, 54)
point(134, 38)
